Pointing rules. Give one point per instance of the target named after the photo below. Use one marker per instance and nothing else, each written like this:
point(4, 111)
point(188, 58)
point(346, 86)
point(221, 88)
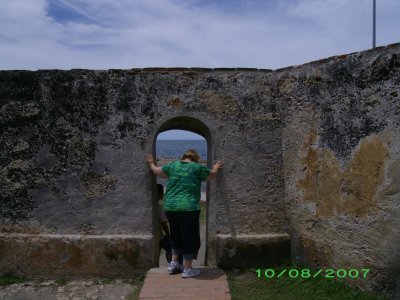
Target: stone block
point(252, 250)
point(68, 256)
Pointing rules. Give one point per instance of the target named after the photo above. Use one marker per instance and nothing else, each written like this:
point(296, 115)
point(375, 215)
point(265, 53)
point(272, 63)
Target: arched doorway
point(195, 126)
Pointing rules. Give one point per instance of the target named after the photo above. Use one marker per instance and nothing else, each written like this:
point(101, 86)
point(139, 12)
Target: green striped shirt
point(184, 185)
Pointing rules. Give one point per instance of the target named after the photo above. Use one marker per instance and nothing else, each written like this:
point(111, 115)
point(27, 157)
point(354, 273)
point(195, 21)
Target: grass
point(61, 281)
point(137, 283)
point(203, 212)
point(245, 284)
point(104, 281)
point(10, 279)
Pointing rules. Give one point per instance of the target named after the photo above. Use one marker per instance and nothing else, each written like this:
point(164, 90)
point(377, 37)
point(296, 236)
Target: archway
point(197, 127)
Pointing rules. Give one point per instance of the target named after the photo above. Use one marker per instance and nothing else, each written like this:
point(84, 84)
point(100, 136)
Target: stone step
point(210, 284)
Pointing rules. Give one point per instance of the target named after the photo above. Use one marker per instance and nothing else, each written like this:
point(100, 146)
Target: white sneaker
point(187, 273)
point(174, 267)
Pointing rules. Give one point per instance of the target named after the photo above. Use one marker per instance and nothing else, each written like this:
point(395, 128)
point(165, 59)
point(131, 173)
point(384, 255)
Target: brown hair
point(192, 155)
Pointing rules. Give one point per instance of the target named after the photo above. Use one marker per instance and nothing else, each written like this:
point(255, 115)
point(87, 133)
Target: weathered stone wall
point(311, 163)
point(73, 159)
point(341, 141)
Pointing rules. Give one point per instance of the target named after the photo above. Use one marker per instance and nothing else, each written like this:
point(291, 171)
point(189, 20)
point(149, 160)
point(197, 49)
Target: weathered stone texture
point(67, 256)
point(341, 145)
point(266, 250)
point(311, 151)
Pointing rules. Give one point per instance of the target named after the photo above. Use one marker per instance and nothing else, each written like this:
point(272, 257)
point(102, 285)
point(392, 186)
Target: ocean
point(175, 148)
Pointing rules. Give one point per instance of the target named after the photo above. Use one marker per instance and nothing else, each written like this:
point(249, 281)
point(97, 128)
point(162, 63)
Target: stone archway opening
point(169, 144)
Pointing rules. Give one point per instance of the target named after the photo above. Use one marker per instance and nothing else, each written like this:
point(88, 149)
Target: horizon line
point(181, 139)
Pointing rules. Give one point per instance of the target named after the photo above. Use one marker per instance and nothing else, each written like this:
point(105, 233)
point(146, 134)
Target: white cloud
point(166, 33)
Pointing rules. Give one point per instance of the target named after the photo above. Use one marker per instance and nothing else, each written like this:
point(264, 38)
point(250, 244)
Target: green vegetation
point(137, 283)
point(10, 279)
point(105, 281)
point(61, 281)
point(203, 212)
point(245, 284)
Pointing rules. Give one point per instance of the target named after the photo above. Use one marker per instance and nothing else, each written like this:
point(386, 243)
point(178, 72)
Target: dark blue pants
point(185, 232)
point(165, 244)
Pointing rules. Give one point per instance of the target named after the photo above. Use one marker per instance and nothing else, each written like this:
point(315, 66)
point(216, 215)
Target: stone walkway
point(211, 284)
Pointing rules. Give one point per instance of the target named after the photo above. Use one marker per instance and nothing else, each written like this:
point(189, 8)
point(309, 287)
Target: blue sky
point(179, 135)
point(104, 34)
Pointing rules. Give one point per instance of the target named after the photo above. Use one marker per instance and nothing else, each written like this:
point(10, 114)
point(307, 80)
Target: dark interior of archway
point(188, 124)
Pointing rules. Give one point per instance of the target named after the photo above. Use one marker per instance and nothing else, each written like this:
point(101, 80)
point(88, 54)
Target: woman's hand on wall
point(156, 170)
point(150, 159)
point(213, 174)
point(218, 165)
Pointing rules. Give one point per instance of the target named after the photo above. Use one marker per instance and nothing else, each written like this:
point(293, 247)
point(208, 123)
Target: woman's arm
point(156, 170)
point(213, 174)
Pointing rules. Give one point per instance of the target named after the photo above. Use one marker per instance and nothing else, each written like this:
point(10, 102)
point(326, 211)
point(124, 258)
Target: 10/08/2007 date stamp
point(308, 273)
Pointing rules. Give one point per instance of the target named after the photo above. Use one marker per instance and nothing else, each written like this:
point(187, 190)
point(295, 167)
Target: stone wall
point(341, 141)
point(73, 162)
point(311, 165)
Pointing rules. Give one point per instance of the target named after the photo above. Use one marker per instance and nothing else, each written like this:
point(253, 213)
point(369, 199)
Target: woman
point(181, 205)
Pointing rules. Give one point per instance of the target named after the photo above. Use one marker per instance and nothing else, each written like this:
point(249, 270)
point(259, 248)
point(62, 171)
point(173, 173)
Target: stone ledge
point(262, 236)
point(69, 256)
point(161, 70)
point(79, 236)
point(252, 250)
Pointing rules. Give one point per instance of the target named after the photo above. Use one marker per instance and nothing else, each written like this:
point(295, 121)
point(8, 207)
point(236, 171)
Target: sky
point(179, 135)
point(124, 34)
